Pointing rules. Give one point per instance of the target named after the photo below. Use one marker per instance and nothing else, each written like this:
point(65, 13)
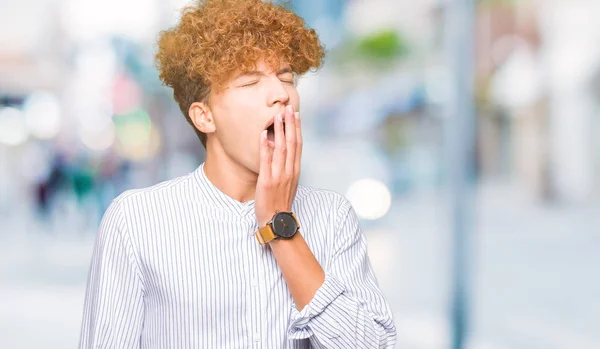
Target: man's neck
point(230, 177)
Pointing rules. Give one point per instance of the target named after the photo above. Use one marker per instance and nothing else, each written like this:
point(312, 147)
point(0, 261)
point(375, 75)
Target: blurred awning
point(21, 74)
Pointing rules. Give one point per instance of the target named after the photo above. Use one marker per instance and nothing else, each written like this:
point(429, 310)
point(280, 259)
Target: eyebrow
point(260, 73)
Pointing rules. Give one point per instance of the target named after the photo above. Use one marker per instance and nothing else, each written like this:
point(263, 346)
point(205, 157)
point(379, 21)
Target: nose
point(277, 93)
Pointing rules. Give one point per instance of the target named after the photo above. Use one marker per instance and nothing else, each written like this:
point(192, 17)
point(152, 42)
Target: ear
point(202, 117)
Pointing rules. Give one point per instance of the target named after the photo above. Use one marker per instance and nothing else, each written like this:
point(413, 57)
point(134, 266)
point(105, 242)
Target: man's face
point(246, 106)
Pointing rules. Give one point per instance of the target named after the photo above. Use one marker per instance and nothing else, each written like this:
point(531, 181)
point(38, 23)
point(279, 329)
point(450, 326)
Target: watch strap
point(265, 234)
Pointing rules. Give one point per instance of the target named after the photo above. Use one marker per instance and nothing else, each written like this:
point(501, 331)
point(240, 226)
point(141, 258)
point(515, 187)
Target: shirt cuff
point(325, 295)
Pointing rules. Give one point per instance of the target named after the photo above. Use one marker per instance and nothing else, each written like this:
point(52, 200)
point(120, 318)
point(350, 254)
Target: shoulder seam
point(154, 188)
point(130, 247)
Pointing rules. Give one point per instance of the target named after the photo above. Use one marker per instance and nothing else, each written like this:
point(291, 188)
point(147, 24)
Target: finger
point(298, 158)
point(265, 157)
point(278, 164)
point(290, 140)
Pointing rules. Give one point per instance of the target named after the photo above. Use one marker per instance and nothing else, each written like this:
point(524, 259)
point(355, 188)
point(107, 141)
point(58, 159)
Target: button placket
point(246, 211)
point(251, 219)
point(255, 275)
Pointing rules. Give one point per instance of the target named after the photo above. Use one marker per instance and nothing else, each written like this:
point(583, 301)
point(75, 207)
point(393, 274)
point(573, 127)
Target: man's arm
point(341, 307)
point(113, 308)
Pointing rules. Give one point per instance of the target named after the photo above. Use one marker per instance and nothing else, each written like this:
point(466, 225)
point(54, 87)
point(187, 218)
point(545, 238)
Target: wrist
point(283, 225)
point(264, 219)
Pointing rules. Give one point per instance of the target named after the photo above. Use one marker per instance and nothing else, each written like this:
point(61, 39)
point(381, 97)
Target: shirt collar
point(218, 199)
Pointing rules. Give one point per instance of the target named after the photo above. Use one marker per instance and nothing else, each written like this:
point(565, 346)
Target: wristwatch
point(284, 225)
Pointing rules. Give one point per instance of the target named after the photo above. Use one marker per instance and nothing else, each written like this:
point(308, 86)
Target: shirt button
point(256, 338)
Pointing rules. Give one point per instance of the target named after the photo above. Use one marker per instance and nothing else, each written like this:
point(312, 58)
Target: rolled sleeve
point(325, 295)
point(348, 310)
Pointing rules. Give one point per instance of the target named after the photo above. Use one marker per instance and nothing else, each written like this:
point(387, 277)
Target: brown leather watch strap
point(265, 234)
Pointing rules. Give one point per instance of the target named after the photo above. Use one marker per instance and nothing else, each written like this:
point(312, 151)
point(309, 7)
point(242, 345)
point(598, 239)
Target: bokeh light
point(98, 139)
point(13, 130)
point(137, 139)
point(370, 198)
point(43, 115)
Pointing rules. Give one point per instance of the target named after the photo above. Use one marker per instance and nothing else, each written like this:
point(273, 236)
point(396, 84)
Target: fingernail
point(279, 118)
point(297, 115)
point(290, 108)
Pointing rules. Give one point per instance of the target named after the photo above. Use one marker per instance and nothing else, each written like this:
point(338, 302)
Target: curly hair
point(216, 38)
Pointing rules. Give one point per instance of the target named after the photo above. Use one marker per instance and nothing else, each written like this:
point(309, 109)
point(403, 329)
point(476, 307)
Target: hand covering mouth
point(271, 131)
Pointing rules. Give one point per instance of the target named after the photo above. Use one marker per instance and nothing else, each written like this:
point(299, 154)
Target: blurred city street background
point(83, 117)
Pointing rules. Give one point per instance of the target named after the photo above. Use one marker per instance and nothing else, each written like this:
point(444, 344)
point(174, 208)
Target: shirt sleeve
point(348, 310)
point(113, 307)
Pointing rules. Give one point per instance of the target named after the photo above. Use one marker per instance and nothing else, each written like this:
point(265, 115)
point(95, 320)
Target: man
point(217, 258)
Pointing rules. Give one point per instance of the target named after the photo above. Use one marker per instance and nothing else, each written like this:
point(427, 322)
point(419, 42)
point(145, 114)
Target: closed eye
point(287, 77)
point(249, 83)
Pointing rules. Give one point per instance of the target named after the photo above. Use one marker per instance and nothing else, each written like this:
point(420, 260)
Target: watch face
point(284, 225)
